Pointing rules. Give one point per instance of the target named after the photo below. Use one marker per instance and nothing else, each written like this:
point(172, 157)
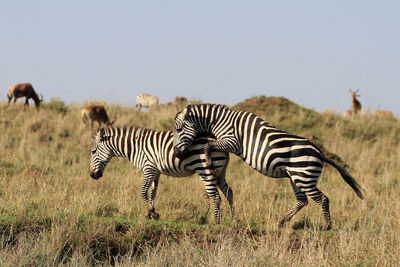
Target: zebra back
point(146, 100)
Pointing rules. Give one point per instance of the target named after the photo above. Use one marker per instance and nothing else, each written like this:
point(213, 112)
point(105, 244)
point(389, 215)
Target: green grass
point(53, 213)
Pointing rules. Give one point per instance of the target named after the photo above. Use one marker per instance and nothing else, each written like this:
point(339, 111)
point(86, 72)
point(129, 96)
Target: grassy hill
point(52, 212)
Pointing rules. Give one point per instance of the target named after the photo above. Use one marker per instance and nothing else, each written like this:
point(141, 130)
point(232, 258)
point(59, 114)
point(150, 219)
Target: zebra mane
point(109, 129)
point(218, 106)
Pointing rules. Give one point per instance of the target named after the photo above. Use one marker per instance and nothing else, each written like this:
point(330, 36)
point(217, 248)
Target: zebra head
point(100, 154)
point(184, 132)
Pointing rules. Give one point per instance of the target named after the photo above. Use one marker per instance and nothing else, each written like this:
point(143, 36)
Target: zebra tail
point(347, 177)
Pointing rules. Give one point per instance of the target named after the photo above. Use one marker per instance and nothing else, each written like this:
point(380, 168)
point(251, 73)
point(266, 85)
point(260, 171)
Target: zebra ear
point(185, 112)
point(101, 132)
point(189, 109)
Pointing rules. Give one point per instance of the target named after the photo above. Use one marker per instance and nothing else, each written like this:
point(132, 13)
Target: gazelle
point(355, 104)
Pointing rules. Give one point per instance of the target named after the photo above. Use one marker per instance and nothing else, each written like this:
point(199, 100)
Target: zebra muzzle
point(96, 175)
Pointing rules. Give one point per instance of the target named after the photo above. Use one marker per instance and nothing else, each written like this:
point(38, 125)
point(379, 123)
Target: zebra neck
point(139, 145)
point(222, 123)
point(125, 142)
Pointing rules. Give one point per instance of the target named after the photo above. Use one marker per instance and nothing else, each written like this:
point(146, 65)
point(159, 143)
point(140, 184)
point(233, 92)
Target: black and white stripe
point(269, 150)
point(152, 153)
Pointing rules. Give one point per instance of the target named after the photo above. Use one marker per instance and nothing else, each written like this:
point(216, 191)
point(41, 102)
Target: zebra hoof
point(282, 223)
point(327, 227)
point(155, 215)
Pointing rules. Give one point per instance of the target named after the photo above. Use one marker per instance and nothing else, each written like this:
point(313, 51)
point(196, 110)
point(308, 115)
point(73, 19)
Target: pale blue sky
point(311, 52)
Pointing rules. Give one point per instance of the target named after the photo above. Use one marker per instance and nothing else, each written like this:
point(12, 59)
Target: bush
point(56, 105)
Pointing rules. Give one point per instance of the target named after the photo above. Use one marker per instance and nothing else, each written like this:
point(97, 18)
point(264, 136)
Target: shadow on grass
point(304, 224)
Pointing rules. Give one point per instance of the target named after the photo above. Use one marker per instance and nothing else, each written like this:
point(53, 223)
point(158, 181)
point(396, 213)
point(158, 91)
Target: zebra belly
point(279, 172)
point(180, 173)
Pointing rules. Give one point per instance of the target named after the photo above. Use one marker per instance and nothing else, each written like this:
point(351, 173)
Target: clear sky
point(215, 51)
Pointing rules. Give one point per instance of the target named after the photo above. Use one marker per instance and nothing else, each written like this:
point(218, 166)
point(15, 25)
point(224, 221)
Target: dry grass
point(52, 213)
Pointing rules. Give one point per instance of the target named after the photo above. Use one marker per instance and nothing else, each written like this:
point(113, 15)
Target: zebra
point(146, 100)
point(268, 149)
point(152, 153)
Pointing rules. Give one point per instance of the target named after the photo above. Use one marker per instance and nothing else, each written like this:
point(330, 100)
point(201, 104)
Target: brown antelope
point(95, 113)
point(355, 104)
point(178, 101)
point(348, 113)
point(146, 100)
point(384, 113)
point(23, 89)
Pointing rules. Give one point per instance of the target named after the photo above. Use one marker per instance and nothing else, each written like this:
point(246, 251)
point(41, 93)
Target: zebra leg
point(228, 144)
point(153, 192)
point(226, 190)
point(309, 186)
point(209, 163)
point(302, 201)
point(323, 201)
point(207, 151)
point(149, 176)
point(210, 183)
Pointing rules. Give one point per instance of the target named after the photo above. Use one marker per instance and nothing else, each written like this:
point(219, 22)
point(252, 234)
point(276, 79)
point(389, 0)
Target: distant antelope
point(348, 113)
point(384, 113)
point(355, 104)
point(146, 100)
point(178, 100)
point(23, 89)
point(95, 113)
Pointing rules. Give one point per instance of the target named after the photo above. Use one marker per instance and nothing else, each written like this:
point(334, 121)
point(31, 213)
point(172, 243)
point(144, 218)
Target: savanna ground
point(53, 213)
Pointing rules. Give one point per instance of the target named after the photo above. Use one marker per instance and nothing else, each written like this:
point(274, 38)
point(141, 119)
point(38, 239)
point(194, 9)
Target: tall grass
point(52, 212)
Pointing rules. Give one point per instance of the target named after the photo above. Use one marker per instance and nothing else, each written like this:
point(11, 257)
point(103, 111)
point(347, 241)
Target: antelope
point(23, 89)
point(384, 113)
point(355, 104)
point(178, 101)
point(95, 113)
point(146, 100)
point(348, 113)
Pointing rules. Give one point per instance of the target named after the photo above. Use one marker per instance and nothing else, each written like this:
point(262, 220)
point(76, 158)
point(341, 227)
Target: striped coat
point(146, 100)
point(152, 153)
point(268, 149)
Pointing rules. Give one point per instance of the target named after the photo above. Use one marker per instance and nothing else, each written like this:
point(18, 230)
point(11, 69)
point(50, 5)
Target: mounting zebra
point(152, 153)
point(269, 150)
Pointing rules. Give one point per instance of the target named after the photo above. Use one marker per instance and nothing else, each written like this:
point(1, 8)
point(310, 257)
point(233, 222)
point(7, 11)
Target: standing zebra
point(269, 150)
point(146, 100)
point(152, 153)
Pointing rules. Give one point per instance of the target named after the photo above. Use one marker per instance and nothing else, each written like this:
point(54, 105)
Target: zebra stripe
point(268, 149)
point(152, 153)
